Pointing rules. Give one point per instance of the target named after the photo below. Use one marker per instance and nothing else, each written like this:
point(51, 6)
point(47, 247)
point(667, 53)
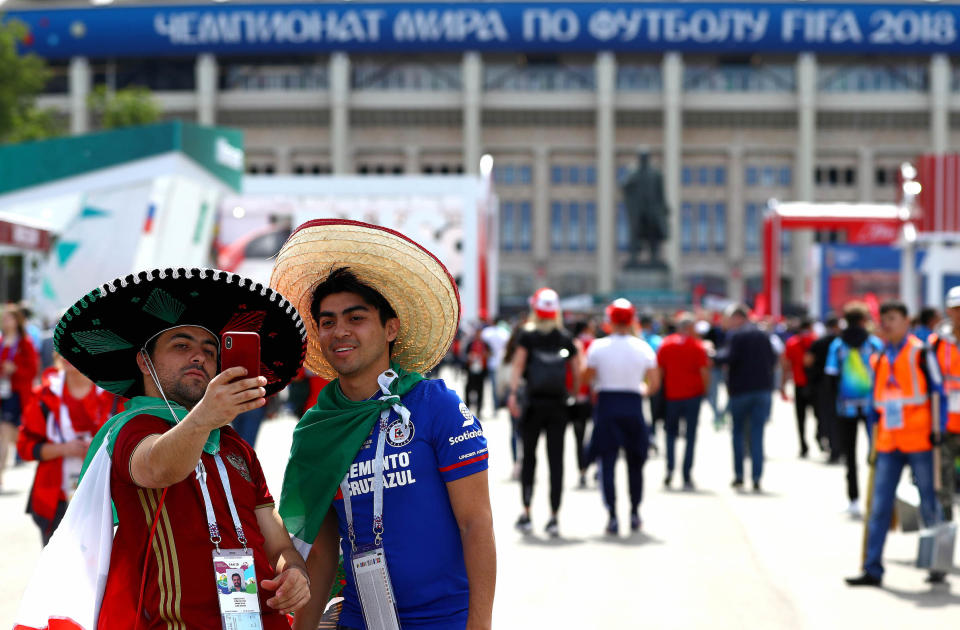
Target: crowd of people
point(898, 378)
point(130, 419)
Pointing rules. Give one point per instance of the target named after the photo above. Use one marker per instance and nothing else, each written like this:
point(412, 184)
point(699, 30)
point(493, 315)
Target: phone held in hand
point(240, 349)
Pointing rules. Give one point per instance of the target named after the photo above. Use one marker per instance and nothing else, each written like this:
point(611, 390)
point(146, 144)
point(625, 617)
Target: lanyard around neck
point(208, 504)
point(384, 380)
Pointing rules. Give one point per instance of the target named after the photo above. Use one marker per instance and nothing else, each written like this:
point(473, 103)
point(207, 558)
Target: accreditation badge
point(893, 414)
point(237, 589)
point(953, 401)
point(6, 388)
point(372, 579)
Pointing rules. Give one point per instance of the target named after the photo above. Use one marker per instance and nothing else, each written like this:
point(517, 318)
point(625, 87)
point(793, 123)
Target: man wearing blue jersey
point(389, 466)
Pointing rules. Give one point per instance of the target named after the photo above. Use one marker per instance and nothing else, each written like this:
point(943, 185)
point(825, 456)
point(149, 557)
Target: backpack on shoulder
point(547, 373)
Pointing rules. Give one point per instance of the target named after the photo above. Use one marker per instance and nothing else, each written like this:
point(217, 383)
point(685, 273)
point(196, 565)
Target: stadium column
point(606, 71)
point(735, 223)
point(865, 173)
point(804, 161)
point(939, 103)
point(79, 93)
point(472, 94)
point(340, 114)
point(672, 71)
point(205, 71)
point(541, 212)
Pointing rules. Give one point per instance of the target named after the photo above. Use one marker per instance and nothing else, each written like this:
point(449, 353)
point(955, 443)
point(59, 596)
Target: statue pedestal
point(643, 279)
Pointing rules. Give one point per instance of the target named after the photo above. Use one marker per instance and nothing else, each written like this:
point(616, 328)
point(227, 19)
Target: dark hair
point(893, 305)
point(832, 321)
point(18, 317)
point(342, 280)
point(855, 314)
point(805, 323)
point(928, 314)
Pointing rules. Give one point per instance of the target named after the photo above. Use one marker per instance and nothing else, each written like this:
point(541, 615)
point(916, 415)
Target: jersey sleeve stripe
point(472, 460)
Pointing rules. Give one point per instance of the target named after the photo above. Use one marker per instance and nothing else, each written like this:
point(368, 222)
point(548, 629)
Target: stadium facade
point(736, 103)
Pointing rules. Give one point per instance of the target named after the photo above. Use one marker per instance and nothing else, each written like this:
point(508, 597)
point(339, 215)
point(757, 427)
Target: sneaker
point(756, 486)
point(737, 484)
point(667, 480)
point(523, 524)
point(936, 577)
point(635, 522)
point(613, 527)
point(688, 485)
point(552, 530)
point(583, 481)
point(863, 580)
point(854, 508)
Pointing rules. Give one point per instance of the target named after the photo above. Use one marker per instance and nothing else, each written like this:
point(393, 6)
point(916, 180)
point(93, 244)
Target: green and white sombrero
point(412, 280)
point(104, 330)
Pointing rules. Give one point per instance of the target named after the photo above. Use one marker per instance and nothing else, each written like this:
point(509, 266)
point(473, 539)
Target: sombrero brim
point(414, 282)
point(104, 330)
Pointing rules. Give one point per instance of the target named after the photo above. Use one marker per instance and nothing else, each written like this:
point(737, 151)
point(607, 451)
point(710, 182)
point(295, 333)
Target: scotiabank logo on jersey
point(466, 435)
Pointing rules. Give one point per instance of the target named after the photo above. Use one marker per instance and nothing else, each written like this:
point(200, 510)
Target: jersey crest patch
point(399, 434)
point(240, 464)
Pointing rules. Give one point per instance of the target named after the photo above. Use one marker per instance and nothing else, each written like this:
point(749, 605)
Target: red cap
point(621, 312)
point(545, 303)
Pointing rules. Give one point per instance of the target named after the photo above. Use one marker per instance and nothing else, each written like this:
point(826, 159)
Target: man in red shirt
point(189, 493)
point(793, 363)
point(685, 371)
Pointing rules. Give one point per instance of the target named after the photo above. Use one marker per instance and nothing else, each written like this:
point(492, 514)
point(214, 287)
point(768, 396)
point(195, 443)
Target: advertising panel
point(144, 31)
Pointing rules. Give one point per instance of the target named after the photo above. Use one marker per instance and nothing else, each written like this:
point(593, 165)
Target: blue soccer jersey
point(420, 534)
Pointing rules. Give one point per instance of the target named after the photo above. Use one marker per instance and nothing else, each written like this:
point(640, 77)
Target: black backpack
point(547, 372)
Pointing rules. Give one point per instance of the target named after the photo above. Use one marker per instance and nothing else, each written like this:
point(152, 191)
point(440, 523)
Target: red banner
point(939, 198)
point(23, 237)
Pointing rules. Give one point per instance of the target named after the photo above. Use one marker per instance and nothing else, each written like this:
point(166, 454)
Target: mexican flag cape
point(81, 546)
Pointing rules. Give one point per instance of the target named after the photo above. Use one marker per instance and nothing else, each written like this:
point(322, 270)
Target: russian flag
point(151, 213)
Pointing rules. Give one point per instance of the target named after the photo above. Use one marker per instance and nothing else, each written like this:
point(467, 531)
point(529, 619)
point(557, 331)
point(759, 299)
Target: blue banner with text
point(533, 27)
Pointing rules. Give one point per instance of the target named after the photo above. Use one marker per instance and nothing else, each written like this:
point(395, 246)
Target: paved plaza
point(713, 558)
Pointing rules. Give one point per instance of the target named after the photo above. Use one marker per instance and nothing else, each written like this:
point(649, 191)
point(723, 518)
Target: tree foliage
point(22, 77)
point(126, 107)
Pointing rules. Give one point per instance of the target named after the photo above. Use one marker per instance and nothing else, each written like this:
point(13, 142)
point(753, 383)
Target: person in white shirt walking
point(622, 368)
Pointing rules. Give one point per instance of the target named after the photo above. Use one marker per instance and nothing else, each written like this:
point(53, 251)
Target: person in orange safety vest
point(905, 376)
point(946, 348)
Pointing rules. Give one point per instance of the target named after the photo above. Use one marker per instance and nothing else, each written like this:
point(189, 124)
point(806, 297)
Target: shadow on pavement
point(936, 596)
point(694, 492)
point(560, 541)
point(639, 539)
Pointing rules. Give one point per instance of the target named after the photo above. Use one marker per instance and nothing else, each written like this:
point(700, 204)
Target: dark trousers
point(543, 415)
point(750, 411)
point(247, 424)
point(825, 408)
point(579, 416)
point(473, 395)
point(687, 409)
point(619, 424)
point(48, 527)
point(846, 430)
point(803, 399)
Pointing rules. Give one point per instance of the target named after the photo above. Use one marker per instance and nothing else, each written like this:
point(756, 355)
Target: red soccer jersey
point(180, 591)
point(796, 347)
point(680, 360)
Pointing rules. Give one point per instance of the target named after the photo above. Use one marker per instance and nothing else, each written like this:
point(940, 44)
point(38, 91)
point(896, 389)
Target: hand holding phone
point(240, 349)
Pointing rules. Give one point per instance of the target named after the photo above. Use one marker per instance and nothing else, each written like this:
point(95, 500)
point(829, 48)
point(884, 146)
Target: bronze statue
point(647, 211)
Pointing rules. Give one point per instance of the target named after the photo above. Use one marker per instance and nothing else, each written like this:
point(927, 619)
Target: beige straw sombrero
point(411, 279)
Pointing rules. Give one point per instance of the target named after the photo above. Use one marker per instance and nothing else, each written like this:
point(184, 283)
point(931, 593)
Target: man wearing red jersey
point(793, 359)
